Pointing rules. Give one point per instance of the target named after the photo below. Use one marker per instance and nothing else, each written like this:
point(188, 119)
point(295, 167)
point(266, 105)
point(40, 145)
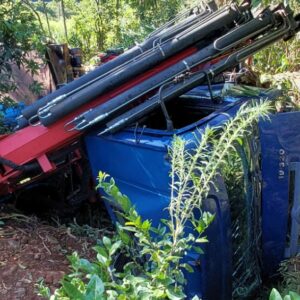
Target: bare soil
point(32, 250)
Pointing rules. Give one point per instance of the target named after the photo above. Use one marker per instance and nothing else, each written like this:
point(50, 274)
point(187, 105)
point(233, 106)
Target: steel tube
point(219, 20)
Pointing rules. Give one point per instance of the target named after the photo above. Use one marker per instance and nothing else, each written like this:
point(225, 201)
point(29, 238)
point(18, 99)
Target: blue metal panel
point(142, 173)
point(280, 144)
point(141, 168)
point(137, 159)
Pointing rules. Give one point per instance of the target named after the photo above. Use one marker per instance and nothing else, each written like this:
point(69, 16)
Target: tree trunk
point(35, 12)
point(118, 26)
point(47, 19)
point(64, 19)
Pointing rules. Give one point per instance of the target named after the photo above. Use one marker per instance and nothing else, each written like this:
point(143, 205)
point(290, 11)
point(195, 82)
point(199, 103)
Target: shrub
point(275, 295)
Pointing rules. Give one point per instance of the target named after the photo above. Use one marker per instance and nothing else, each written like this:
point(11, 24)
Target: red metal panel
point(45, 164)
point(31, 143)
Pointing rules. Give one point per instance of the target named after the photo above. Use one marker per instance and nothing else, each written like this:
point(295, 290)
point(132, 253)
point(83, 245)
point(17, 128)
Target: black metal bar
point(288, 28)
point(30, 111)
point(169, 123)
point(217, 21)
point(241, 34)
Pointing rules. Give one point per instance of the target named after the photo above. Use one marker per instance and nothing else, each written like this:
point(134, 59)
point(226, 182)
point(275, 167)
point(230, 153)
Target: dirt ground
point(31, 250)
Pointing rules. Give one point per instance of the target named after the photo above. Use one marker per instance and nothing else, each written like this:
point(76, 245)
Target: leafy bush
point(275, 295)
point(98, 25)
point(5, 103)
point(290, 272)
point(281, 56)
point(20, 33)
point(146, 262)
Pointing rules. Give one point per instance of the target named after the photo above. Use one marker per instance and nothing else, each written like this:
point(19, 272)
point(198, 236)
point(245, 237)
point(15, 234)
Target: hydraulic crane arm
point(196, 48)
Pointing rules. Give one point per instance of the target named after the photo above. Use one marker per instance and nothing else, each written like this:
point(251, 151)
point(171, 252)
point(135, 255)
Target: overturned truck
point(121, 118)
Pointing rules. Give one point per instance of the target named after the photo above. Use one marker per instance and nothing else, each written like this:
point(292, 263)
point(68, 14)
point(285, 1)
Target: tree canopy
point(20, 32)
point(95, 25)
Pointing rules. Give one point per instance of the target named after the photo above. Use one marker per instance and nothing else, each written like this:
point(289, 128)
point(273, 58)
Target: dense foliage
point(19, 34)
point(282, 56)
point(95, 25)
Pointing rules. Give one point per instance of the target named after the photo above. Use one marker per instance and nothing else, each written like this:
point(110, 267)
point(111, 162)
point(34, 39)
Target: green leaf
point(207, 218)
point(102, 259)
point(275, 295)
point(111, 295)
point(198, 250)
point(74, 260)
point(135, 280)
point(72, 291)
point(124, 237)
point(165, 222)
point(175, 295)
point(240, 141)
point(199, 226)
point(294, 296)
point(180, 277)
point(86, 266)
point(115, 246)
point(95, 289)
point(157, 294)
point(129, 267)
point(188, 267)
point(125, 203)
point(130, 229)
point(201, 240)
point(165, 280)
point(156, 257)
point(107, 242)
point(130, 224)
point(173, 258)
point(148, 296)
point(146, 225)
point(101, 250)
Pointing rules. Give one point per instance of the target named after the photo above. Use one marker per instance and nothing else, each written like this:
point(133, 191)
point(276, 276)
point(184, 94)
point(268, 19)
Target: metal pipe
point(178, 89)
point(225, 17)
point(217, 48)
point(103, 69)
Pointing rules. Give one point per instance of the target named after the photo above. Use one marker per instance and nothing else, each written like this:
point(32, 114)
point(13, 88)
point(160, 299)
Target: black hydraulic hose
point(221, 19)
point(125, 57)
point(107, 69)
point(131, 53)
point(109, 108)
point(189, 83)
point(219, 46)
point(16, 167)
point(176, 29)
point(21, 122)
point(210, 6)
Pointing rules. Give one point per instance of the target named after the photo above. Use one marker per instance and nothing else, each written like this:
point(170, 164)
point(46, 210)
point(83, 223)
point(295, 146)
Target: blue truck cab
point(247, 239)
